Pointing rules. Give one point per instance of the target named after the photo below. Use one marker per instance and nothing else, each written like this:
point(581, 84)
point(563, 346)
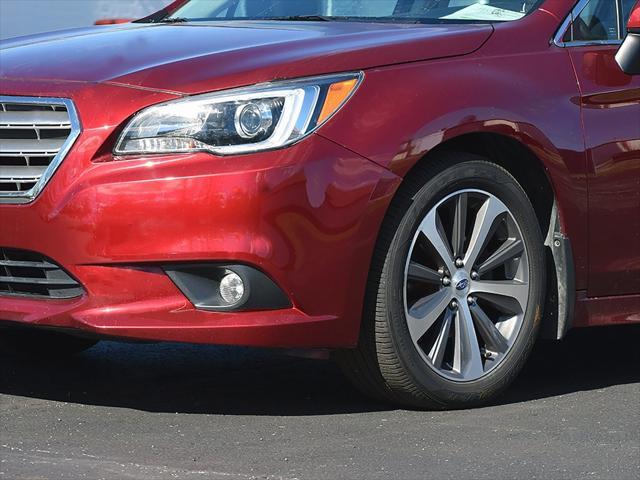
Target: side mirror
point(628, 57)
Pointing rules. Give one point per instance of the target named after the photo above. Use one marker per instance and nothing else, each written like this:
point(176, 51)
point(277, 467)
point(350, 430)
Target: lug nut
point(474, 275)
point(471, 300)
point(446, 281)
point(459, 263)
point(453, 305)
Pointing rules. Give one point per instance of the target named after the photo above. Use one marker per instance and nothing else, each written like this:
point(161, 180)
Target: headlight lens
point(246, 120)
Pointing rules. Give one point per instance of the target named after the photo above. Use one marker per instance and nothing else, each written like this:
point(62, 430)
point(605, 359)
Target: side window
point(627, 5)
point(598, 21)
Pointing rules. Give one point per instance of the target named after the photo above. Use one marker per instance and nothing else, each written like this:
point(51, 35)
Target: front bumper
point(306, 216)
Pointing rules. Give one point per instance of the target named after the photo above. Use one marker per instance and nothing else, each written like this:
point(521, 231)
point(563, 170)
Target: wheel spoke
point(467, 360)
point(510, 295)
point(436, 355)
point(507, 251)
point(483, 228)
point(432, 228)
point(424, 313)
point(478, 268)
point(459, 225)
point(421, 273)
point(494, 340)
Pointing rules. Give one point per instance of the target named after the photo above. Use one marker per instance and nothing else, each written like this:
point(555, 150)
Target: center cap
point(460, 283)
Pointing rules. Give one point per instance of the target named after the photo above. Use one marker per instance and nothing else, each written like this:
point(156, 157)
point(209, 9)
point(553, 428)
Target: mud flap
point(561, 284)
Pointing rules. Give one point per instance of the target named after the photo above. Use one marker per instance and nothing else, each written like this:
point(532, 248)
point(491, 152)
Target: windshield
point(400, 11)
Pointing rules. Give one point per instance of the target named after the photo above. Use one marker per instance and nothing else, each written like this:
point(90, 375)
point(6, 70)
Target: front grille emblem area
point(35, 136)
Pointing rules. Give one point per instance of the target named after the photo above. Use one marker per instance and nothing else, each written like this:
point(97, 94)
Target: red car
point(419, 186)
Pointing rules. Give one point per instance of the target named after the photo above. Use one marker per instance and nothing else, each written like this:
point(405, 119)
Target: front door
point(611, 115)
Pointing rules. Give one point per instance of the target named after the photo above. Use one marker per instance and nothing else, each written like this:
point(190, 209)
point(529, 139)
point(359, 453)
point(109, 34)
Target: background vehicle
point(420, 187)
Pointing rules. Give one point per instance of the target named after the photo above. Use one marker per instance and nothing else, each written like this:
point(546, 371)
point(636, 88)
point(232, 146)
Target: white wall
point(22, 17)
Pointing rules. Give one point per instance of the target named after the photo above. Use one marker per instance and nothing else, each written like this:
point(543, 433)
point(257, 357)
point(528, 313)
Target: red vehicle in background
point(421, 187)
point(112, 21)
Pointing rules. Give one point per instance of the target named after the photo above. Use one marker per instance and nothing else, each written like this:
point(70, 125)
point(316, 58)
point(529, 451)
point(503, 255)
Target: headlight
point(263, 117)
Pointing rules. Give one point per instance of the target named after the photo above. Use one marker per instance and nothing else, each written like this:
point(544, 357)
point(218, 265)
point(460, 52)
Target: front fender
point(532, 98)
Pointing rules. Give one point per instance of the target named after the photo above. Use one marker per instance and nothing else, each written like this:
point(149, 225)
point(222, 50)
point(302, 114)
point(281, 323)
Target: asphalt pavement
point(164, 411)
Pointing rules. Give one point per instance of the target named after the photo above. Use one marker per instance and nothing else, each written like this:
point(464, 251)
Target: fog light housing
point(231, 288)
point(225, 287)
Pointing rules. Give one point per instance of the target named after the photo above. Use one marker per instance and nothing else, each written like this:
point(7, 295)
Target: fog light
point(231, 288)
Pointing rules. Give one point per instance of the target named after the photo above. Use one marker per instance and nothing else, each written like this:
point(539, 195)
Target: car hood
point(197, 57)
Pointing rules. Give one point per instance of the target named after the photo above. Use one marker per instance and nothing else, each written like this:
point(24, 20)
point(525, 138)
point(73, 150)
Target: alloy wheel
point(466, 285)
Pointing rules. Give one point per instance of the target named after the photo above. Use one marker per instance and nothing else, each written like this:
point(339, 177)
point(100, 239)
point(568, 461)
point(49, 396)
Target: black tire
point(41, 343)
point(386, 365)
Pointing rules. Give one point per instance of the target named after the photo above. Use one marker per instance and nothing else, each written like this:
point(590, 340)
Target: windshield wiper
point(303, 18)
point(173, 20)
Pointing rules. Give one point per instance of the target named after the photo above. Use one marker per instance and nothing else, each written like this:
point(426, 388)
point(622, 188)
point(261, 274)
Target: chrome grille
point(30, 274)
point(35, 135)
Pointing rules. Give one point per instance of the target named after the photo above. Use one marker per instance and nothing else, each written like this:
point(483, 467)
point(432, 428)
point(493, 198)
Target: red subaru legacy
point(422, 187)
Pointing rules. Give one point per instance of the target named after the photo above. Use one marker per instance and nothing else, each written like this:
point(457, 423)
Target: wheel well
point(530, 173)
point(517, 159)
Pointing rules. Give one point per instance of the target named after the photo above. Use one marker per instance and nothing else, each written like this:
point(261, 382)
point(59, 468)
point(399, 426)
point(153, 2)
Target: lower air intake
point(30, 274)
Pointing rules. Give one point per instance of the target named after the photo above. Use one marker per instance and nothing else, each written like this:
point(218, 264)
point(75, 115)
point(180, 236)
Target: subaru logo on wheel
point(462, 284)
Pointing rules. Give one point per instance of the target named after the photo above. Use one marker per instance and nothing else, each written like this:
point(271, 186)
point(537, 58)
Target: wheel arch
point(530, 172)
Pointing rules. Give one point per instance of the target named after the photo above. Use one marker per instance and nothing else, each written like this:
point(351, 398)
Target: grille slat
point(19, 178)
point(14, 263)
point(39, 281)
point(17, 173)
point(35, 133)
point(34, 119)
point(22, 146)
point(30, 274)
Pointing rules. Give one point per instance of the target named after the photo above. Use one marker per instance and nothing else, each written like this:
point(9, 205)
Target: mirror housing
point(628, 57)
